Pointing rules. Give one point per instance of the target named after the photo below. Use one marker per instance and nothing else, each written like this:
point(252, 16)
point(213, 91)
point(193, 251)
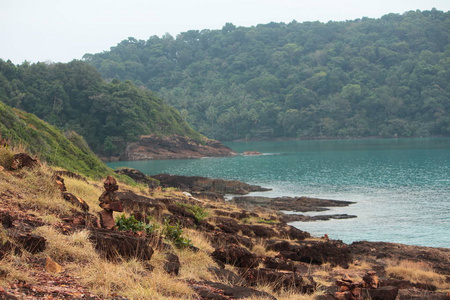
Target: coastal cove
point(401, 186)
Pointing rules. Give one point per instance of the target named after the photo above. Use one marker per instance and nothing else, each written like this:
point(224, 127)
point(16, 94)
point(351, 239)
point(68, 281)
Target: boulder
point(23, 160)
point(71, 198)
point(320, 252)
point(113, 244)
point(383, 293)
point(219, 239)
point(279, 279)
point(236, 256)
point(33, 243)
point(172, 264)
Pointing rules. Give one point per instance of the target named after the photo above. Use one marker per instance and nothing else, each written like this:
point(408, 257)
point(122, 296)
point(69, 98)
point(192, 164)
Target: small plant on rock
point(174, 233)
point(199, 212)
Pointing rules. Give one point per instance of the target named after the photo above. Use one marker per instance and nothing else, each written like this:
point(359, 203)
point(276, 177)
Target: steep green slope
point(67, 151)
point(366, 77)
point(73, 96)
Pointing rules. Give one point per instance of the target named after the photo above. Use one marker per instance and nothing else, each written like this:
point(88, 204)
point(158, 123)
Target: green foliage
point(199, 212)
point(74, 97)
point(366, 77)
point(49, 144)
point(124, 223)
point(174, 233)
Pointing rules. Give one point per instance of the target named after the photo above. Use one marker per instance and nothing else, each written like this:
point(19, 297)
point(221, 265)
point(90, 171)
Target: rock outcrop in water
point(174, 147)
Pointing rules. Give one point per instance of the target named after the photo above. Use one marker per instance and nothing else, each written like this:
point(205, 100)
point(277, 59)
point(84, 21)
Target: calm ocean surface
point(401, 186)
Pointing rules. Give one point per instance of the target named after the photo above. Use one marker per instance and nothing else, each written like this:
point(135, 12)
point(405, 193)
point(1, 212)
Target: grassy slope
point(48, 143)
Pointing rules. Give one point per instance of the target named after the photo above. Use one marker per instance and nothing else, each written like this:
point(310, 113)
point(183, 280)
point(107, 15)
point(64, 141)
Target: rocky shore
point(186, 247)
point(173, 147)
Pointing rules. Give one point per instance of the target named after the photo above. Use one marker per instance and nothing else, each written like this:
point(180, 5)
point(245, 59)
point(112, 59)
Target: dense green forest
point(365, 77)
point(68, 151)
point(74, 97)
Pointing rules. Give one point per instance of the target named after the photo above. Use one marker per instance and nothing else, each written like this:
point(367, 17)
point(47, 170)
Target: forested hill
point(365, 77)
point(73, 96)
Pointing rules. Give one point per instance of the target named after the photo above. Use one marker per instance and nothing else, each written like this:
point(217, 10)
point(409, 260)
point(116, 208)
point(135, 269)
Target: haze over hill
point(367, 77)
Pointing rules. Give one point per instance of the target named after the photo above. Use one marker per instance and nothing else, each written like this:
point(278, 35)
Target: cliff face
point(173, 147)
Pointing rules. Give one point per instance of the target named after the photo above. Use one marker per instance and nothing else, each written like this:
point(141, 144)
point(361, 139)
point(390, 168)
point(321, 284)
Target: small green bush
point(174, 233)
point(199, 212)
point(124, 223)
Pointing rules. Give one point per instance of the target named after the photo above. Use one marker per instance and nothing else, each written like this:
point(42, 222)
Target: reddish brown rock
point(31, 242)
point(279, 279)
point(383, 293)
point(106, 219)
point(172, 264)
point(320, 252)
point(219, 291)
point(173, 147)
point(371, 280)
point(236, 255)
point(115, 244)
point(23, 160)
point(71, 198)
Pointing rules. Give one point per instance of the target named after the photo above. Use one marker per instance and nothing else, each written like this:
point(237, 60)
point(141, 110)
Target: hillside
point(109, 115)
point(56, 243)
point(365, 77)
point(65, 150)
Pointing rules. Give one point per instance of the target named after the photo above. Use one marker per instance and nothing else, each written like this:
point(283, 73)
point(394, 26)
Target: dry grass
point(14, 268)
point(86, 191)
point(35, 190)
point(67, 248)
point(416, 272)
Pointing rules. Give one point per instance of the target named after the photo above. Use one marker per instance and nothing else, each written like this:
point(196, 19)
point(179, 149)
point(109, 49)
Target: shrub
point(174, 233)
point(198, 211)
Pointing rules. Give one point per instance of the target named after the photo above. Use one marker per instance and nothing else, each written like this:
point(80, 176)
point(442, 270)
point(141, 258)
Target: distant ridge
point(385, 77)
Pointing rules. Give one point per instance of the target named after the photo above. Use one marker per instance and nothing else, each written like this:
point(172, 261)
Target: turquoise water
point(401, 186)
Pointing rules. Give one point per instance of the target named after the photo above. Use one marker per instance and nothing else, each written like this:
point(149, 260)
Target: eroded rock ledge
point(174, 147)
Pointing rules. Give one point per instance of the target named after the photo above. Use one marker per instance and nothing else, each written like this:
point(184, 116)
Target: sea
point(401, 187)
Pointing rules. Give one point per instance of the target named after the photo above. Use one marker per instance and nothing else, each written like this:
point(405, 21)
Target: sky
point(63, 30)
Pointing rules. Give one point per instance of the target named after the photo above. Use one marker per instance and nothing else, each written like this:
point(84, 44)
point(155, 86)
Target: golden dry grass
point(416, 272)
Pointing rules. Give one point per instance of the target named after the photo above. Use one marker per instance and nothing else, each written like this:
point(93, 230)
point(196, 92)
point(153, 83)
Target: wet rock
point(23, 160)
point(236, 256)
point(112, 244)
point(172, 264)
point(203, 184)
point(219, 291)
point(251, 153)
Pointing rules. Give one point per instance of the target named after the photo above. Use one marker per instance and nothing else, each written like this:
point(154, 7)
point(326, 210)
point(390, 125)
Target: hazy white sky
point(62, 30)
